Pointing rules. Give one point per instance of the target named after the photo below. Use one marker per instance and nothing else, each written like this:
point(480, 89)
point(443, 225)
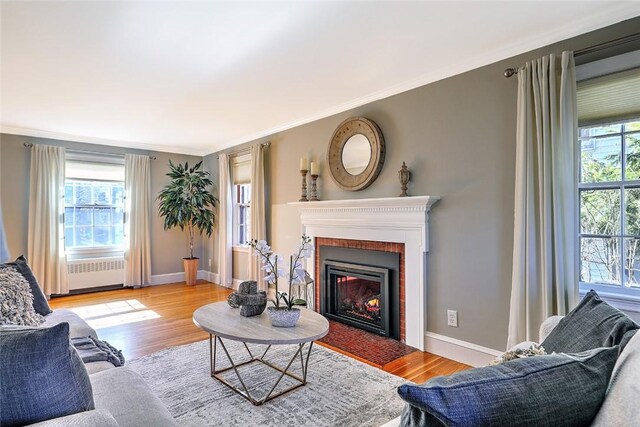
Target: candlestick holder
point(303, 197)
point(314, 188)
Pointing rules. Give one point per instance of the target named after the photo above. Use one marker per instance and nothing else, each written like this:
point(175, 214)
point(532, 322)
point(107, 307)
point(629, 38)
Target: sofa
point(121, 396)
point(617, 404)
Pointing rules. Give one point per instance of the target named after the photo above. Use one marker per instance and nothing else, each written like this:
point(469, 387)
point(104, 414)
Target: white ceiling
point(198, 77)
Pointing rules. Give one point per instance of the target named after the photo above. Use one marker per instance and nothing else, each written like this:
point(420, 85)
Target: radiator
point(95, 272)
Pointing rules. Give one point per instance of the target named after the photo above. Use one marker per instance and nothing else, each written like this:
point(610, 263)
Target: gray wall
point(167, 247)
point(458, 138)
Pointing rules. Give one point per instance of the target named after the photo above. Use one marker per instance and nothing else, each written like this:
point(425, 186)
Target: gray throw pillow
point(42, 376)
point(16, 301)
point(551, 390)
point(40, 303)
point(591, 324)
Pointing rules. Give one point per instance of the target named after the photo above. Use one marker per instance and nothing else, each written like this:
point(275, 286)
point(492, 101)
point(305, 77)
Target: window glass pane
point(117, 216)
point(632, 149)
point(632, 263)
point(601, 159)
point(68, 194)
point(632, 126)
point(118, 234)
point(101, 216)
point(68, 216)
point(632, 205)
point(84, 236)
point(84, 216)
point(101, 194)
point(117, 195)
point(83, 193)
point(600, 130)
point(102, 236)
point(600, 212)
point(600, 260)
point(68, 237)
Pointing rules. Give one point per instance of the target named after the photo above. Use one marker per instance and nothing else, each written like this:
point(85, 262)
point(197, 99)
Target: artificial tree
point(187, 202)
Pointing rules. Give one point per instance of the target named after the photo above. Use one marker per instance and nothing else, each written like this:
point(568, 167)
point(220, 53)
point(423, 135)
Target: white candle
point(314, 168)
point(304, 164)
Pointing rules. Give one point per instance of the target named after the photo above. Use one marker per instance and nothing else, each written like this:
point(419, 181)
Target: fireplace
point(396, 224)
point(360, 296)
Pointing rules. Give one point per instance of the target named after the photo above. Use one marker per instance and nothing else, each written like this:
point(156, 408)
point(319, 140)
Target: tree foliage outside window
point(93, 214)
point(610, 204)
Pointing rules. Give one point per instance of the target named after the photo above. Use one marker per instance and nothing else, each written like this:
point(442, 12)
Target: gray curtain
point(545, 251)
point(4, 250)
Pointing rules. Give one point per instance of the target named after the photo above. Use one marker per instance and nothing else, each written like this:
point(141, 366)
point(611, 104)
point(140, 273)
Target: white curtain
point(137, 187)
point(225, 223)
point(545, 255)
point(45, 248)
point(258, 223)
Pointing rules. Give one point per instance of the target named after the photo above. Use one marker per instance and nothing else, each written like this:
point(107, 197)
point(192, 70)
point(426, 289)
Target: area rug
point(340, 391)
point(373, 348)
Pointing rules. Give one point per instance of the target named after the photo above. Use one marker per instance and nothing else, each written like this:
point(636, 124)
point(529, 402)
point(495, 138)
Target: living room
point(96, 94)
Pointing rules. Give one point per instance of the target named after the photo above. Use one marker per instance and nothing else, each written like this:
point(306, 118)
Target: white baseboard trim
point(236, 283)
point(458, 350)
point(163, 279)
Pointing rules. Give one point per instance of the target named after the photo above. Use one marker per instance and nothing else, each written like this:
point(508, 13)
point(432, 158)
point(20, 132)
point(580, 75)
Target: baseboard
point(236, 283)
point(458, 350)
point(163, 279)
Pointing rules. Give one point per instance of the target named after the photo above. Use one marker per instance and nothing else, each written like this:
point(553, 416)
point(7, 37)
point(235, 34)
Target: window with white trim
point(610, 205)
point(609, 176)
point(241, 171)
point(94, 204)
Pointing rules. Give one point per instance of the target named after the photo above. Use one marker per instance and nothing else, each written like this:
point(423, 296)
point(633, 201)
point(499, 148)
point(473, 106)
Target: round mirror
point(356, 154)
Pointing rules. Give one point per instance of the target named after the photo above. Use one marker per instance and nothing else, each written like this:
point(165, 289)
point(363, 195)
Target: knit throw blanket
point(93, 350)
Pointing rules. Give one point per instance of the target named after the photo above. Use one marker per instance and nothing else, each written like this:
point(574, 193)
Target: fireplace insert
point(357, 295)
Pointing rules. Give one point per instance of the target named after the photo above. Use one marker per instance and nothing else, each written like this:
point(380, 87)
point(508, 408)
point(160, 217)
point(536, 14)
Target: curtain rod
point(596, 48)
point(246, 150)
point(72, 150)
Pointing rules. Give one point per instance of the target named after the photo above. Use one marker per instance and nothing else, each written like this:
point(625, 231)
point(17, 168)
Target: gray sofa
point(620, 406)
point(122, 397)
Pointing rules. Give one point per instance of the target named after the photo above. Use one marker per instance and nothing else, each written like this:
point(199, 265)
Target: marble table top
point(224, 321)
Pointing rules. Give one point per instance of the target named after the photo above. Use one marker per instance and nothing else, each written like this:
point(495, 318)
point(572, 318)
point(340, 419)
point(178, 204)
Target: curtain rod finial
point(510, 72)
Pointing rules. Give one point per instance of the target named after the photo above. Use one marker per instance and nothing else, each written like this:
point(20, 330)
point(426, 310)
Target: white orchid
point(274, 265)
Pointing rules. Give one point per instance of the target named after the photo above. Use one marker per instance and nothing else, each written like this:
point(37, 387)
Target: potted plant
point(283, 313)
point(187, 202)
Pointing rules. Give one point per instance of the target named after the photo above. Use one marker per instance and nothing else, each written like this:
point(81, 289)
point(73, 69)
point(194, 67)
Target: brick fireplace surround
point(368, 245)
point(392, 224)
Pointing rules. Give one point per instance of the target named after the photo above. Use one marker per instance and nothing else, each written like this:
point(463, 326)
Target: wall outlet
point(209, 264)
point(452, 318)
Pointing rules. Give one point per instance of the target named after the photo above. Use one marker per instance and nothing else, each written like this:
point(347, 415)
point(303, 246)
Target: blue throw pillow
point(591, 324)
point(551, 390)
point(40, 304)
point(42, 376)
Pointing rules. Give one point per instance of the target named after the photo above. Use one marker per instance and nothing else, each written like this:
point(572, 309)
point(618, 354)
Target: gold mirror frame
point(346, 129)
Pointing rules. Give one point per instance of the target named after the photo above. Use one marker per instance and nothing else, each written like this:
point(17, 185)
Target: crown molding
point(36, 133)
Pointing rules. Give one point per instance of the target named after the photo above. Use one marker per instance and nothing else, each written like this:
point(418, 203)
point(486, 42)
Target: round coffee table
point(222, 321)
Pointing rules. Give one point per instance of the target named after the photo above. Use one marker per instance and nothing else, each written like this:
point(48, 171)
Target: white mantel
point(392, 219)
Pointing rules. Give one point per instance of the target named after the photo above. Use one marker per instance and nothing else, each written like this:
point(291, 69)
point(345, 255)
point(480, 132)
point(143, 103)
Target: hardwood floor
point(143, 321)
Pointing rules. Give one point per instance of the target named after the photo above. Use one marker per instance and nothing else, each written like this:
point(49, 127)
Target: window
point(242, 200)
point(241, 170)
point(609, 196)
point(94, 205)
